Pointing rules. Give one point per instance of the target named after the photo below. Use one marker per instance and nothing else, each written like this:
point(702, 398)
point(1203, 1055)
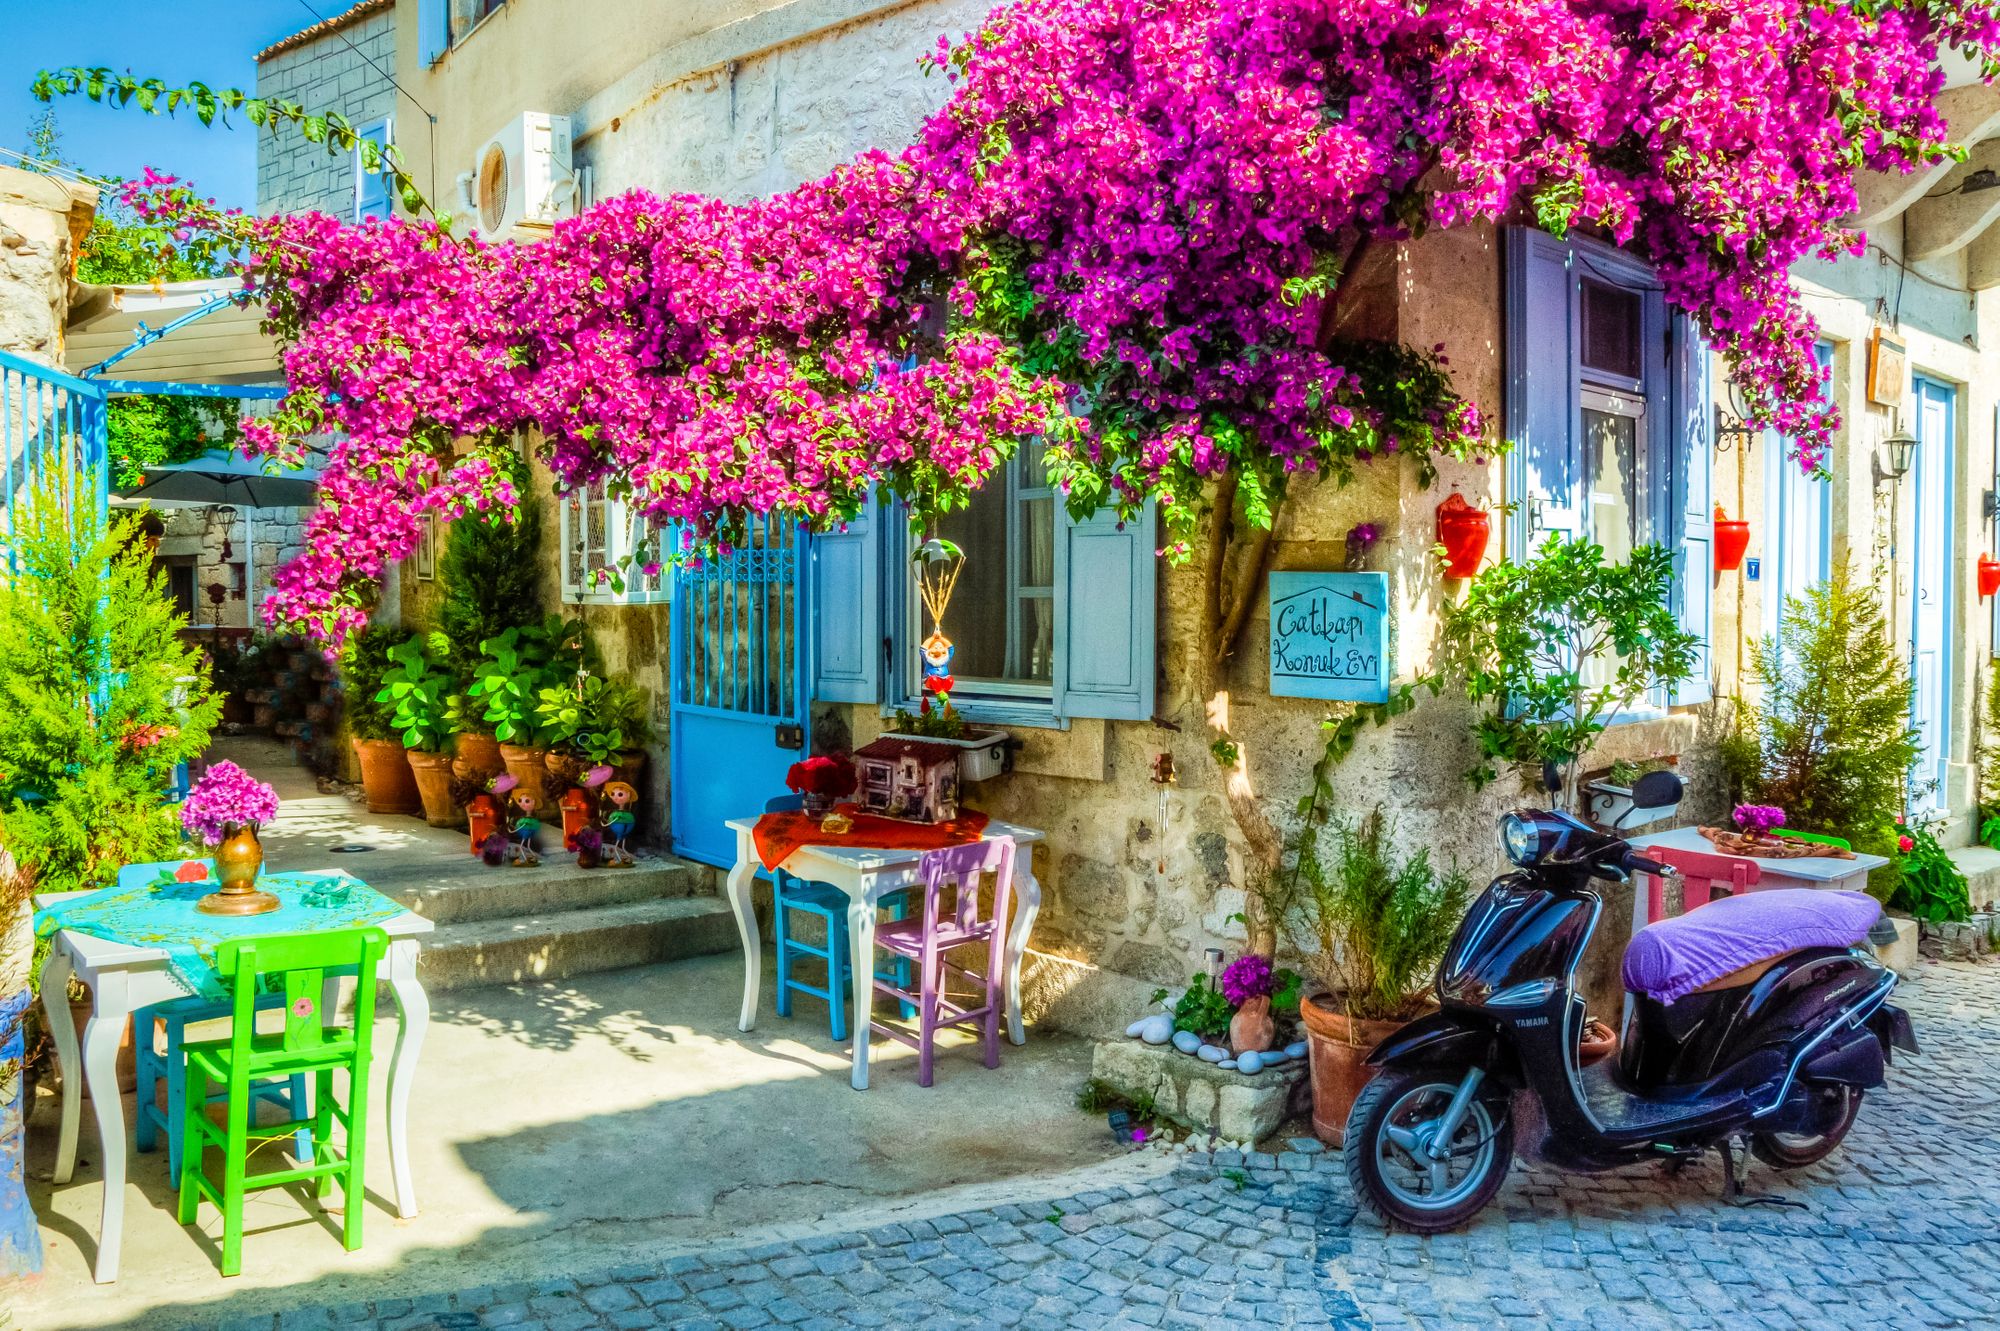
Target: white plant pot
point(982, 756)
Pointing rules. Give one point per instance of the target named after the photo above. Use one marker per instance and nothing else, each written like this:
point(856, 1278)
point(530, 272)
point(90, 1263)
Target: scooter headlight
point(1521, 838)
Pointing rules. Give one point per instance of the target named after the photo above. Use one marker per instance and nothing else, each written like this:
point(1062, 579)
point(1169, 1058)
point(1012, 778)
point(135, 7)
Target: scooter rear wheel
point(1395, 1116)
point(1837, 1108)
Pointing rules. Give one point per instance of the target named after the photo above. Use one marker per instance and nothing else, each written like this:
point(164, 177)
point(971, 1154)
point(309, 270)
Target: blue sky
point(177, 40)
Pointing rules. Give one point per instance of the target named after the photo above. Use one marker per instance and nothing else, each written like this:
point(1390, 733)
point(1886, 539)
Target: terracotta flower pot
point(528, 765)
point(478, 755)
point(1336, 1046)
point(1597, 1043)
point(1252, 1028)
point(1463, 532)
point(386, 779)
point(433, 775)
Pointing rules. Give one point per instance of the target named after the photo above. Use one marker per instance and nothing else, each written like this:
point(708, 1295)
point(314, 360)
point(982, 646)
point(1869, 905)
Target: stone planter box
point(1200, 1096)
point(1976, 937)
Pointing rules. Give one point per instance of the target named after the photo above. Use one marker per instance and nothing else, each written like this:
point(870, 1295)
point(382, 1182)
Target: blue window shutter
point(371, 188)
point(847, 610)
point(433, 30)
point(1694, 496)
point(1106, 578)
point(1542, 420)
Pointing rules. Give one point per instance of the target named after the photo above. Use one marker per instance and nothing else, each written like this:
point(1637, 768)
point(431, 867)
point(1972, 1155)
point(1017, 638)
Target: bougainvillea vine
point(1126, 231)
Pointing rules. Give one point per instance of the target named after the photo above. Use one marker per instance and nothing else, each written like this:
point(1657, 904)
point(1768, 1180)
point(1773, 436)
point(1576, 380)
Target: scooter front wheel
point(1391, 1163)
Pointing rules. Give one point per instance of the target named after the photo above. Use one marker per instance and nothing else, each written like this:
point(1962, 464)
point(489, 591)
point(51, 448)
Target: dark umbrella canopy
point(227, 478)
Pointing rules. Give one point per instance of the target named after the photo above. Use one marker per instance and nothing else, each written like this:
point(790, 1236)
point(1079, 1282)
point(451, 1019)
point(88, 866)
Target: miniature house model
point(908, 778)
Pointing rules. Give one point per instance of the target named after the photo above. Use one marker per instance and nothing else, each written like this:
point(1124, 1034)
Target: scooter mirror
point(1657, 790)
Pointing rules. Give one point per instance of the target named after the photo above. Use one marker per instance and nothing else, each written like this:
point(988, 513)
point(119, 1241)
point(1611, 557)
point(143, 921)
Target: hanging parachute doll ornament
point(938, 563)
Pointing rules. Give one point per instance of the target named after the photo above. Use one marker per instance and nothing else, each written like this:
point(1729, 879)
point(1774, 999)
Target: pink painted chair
point(949, 920)
point(1704, 878)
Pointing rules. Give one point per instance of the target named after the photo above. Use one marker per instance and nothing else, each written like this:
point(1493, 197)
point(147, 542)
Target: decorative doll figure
point(523, 826)
point(620, 823)
point(937, 653)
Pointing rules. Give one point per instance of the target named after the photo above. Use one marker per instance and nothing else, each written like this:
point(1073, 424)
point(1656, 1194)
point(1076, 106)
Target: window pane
point(573, 541)
point(1610, 444)
point(1038, 543)
point(976, 621)
point(1611, 329)
point(1038, 637)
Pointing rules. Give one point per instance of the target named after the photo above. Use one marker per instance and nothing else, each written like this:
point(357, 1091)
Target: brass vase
point(238, 860)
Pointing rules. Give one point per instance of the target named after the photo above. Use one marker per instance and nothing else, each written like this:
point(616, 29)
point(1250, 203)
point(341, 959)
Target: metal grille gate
point(738, 687)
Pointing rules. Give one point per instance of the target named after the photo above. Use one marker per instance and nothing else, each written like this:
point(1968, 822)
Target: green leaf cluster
point(1552, 648)
point(596, 719)
point(490, 571)
point(1203, 1010)
point(1929, 884)
point(99, 698)
point(1829, 740)
point(515, 666)
point(417, 688)
point(1382, 920)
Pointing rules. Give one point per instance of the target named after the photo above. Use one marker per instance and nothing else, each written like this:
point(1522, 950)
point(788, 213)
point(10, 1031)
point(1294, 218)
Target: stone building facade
point(741, 98)
point(345, 64)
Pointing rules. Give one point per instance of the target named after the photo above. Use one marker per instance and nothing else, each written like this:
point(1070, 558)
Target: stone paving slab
point(1901, 1230)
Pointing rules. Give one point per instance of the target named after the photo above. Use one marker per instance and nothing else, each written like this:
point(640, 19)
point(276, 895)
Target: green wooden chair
point(296, 965)
point(1817, 838)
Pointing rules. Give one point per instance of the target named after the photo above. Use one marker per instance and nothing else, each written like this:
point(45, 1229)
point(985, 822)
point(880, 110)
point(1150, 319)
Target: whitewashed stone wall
point(328, 73)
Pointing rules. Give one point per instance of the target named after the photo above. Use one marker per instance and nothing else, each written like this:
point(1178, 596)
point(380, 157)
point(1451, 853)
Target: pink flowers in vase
point(1759, 820)
point(226, 796)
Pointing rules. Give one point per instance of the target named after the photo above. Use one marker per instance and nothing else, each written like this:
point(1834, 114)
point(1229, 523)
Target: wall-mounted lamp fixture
point(1732, 431)
point(1898, 451)
point(1984, 178)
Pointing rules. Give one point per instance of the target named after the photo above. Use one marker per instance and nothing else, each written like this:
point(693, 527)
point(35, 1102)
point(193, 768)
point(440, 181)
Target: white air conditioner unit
point(522, 175)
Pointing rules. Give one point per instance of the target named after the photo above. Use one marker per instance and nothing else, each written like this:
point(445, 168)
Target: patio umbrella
point(222, 476)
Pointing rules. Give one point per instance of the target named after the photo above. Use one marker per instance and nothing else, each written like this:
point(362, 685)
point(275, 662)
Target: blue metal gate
point(739, 685)
point(52, 425)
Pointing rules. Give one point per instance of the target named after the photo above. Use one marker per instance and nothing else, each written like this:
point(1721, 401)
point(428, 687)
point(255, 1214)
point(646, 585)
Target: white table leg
point(101, 1037)
point(861, 957)
point(741, 877)
point(1028, 904)
point(413, 1021)
point(55, 1010)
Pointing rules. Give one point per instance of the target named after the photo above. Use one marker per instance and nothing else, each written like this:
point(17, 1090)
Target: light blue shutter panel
point(371, 188)
point(847, 610)
point(433, 30)
point(1694, 588)
point(1542, 416)
point(1106, 580)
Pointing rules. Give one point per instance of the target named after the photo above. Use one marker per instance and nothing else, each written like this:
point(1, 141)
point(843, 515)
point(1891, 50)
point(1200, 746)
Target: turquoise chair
point(788, 894)
point(150, 1065)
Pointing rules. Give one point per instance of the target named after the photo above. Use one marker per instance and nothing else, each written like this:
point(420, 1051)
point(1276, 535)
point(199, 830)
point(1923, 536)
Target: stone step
point(462, 892)
point(1981, 867)
point(554, 945)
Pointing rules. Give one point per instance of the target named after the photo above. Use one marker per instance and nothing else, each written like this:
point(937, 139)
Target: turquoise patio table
point(133, 952)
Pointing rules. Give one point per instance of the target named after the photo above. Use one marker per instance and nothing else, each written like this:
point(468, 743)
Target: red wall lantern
point(1989, 576)
point(1732, 542)
point(484, 820)
point(1463, 532)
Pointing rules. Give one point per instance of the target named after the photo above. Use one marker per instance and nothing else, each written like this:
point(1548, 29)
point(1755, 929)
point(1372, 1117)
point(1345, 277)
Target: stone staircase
point(553, 921)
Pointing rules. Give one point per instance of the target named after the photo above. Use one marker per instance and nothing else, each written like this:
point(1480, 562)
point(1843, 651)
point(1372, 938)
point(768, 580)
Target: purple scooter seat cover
point(1675, 957)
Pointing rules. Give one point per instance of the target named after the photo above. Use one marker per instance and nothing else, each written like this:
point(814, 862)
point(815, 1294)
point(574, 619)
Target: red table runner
point(778, 835)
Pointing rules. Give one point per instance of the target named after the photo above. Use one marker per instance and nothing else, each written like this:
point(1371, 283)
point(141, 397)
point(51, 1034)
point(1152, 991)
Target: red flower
point(823, 774)
point(1903, 843)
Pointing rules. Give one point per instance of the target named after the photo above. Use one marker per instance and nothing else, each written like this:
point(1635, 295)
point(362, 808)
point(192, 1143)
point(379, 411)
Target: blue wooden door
point(1798, 552)
point(739, 695)
point(1931, 589)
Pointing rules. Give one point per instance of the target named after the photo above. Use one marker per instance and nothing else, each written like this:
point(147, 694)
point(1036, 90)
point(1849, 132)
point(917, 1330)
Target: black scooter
point(1783, 1060)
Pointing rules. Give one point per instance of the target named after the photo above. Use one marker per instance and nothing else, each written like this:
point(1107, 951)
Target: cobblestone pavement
point(1902, 1230)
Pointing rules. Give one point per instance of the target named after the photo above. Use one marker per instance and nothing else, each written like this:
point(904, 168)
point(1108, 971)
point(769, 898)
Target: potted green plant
point(1382, 921)
point(490, 573)
point(387, 782)
point(596, 720)
point(513, 669)
point(417, 687)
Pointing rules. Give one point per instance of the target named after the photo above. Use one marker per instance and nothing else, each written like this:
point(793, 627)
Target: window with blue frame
point(1052, 618)
point(373, 193)
point(1608, 410)
point(442, 24)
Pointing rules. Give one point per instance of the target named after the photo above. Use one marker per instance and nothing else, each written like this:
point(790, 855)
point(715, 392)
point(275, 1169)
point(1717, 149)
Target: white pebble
point(1186, 1041)
point(1228, 1064)
point(1137, 1026)
point(1250, 1063)
point(1297, 1050)
point(1209, 1053)
point(1157, 1030)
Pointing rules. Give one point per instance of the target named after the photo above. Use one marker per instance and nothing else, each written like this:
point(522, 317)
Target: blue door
point(1932, 586)
point(739, 686)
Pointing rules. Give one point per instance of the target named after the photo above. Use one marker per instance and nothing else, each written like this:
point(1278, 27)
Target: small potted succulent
point(224, 809)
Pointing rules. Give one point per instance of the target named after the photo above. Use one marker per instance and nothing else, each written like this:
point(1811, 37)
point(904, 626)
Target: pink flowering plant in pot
point(1177, 336)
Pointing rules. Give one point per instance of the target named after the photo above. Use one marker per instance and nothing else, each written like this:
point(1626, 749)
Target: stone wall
point(200, 535)
point(332, 72)
point(42, 219)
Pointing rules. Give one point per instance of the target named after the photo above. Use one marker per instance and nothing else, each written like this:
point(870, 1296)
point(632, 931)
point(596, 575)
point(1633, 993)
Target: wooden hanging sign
point(1330, 636)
